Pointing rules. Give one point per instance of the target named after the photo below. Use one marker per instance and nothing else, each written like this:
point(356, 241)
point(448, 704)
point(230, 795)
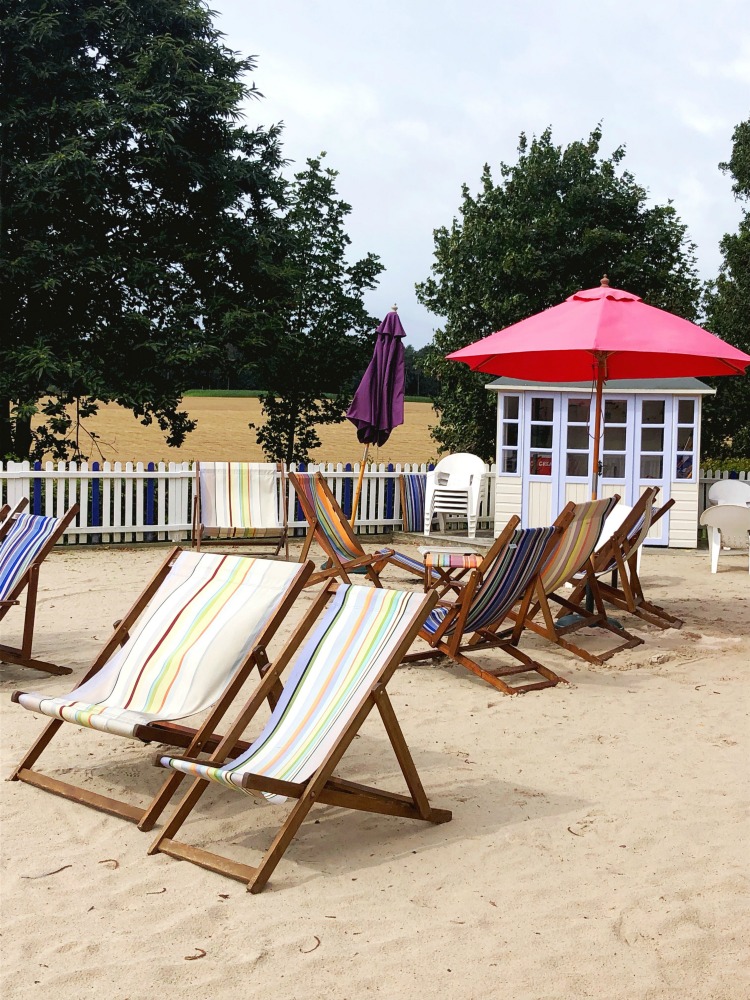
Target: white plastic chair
point(729, 491)
point(728, 527)
point(454, 489)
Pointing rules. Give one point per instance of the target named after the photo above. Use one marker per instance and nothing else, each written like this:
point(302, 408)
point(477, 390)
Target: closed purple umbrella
point(378, 404)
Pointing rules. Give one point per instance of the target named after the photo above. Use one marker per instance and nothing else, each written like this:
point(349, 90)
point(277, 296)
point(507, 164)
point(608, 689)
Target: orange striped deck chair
point(341, 658)
point(185, 647)
point(240, 503)
point(573, 556)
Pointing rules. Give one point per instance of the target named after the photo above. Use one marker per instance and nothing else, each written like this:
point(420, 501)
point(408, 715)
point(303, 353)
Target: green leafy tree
point(323, 333)
point(726, 416)
point(135, 212)
point(417, 382)
point(558, 219)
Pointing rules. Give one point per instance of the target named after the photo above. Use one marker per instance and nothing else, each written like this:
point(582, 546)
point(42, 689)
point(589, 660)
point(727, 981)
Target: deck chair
point(619, 557)
point(187, 645)
point(240, 503)
point(329, 527)
point(412, 490)
point(25, 542)
point(470, 624)
point(339, 675)
point(569, 560)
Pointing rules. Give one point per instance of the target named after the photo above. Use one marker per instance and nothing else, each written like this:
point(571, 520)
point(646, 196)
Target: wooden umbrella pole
point(601, 374)
point(358, 490)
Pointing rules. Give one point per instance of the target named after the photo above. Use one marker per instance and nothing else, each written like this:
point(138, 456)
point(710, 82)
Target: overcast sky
point(410, 98)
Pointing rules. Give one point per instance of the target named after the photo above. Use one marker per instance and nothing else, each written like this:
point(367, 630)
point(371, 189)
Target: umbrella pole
point(358, 490)
point(600, 372)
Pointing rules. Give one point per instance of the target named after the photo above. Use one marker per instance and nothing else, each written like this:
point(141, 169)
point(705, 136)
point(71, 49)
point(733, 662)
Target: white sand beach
point(598, 847)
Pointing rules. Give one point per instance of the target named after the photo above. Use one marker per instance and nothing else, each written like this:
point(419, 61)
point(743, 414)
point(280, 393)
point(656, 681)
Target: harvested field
point(222, 434)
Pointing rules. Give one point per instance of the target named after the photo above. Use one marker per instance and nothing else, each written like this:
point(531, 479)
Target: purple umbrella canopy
point(378, 404)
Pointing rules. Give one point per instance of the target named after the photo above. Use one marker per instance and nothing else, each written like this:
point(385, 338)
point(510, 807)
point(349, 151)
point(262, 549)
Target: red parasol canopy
point(598, 334)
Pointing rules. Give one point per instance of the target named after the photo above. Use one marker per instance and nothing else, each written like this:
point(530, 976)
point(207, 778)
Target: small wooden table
point(449, 563)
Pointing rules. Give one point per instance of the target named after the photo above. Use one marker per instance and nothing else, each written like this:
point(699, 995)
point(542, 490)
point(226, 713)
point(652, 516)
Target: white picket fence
point(136, 502)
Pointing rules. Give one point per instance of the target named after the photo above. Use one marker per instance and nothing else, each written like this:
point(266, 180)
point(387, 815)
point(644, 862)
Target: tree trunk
point(22, 445)
point(6, 430)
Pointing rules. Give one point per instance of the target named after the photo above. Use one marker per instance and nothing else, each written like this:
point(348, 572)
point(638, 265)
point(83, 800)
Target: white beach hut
point(650, 437)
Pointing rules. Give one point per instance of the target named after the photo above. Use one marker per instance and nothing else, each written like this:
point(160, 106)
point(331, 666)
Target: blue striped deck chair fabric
point(470, 624)
point(412, 486)
point(25, 542)
point(240, 502)
point(187, 644)
point(338, 675)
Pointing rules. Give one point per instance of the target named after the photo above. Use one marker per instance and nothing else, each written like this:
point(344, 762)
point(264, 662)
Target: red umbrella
point(599, 334)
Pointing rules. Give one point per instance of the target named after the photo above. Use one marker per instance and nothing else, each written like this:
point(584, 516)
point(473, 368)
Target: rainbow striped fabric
point(184, 648)
point(330, 523)
point(503, 584)
point(239, 499)
point(576, 544)
point(26, 538)
point(334, 671)
point(452, 560)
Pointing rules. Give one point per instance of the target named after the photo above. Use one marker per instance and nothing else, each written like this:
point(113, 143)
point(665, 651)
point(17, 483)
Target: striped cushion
point(184, 648)
point(504, 582)
point(330, 523)
point(576, 544)
point(411, 565)
point(412, 500)
point(26, 538)
point(239, 495)
point(453, 560)
point(333, 672)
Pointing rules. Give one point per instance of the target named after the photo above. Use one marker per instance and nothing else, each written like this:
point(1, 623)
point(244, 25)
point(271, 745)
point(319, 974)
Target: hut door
point(653, 423)
point(540, 458)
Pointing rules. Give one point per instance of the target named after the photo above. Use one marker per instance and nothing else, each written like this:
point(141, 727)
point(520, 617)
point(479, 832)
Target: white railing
point(137, 502)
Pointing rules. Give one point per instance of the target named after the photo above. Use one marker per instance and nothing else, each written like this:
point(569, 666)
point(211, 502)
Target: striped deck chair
point(240, 502)
point(412, 488)
point(329, 527)
point(343, 655)
point(470, 623)
point(618, 557)
point(571, 557)
point(187, 645)
point(25, 542)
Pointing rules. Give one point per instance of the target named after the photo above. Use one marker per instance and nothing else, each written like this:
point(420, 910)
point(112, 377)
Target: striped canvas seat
point(27, 537)
point(342, 656)
point(576, 544)
point(239, 499)
point(412, 485)
point(453, 560)
point(360, 629)
point(503, 583)
point(184, 648)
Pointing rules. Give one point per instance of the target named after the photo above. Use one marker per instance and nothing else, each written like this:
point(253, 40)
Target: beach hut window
point(541, 436)
point(509, 435)
point(615, 438)
point(577, 457)
point(685, 438)
point(652, 438)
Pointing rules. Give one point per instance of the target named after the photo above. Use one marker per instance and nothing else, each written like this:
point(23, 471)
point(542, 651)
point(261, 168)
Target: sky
point(409, 99)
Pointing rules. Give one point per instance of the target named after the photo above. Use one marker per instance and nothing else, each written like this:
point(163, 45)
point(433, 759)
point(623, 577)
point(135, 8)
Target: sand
point(222, 434)
point(598, 846)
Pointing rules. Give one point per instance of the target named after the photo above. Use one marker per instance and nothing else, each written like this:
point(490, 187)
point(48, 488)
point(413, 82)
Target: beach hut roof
point(658, 387)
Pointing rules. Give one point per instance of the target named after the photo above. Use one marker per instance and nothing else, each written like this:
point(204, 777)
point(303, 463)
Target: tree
point(558, 219)
point(726, 416)
point(323, 333)
point(135, 212)
point(416, 380)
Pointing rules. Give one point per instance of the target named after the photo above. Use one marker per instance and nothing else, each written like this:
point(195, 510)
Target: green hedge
point(726, 464)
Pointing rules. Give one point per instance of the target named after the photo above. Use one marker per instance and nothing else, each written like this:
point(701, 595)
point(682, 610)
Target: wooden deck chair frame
point(625, 590)
point(372, 564)
point(539, 618)
point(457, 647)
point(323, 787)
point(5, 510)
point(195, 741)
point(197, 535)
point(29, 582)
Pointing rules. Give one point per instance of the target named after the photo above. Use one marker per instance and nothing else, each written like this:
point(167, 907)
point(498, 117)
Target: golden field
point(222, 434)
